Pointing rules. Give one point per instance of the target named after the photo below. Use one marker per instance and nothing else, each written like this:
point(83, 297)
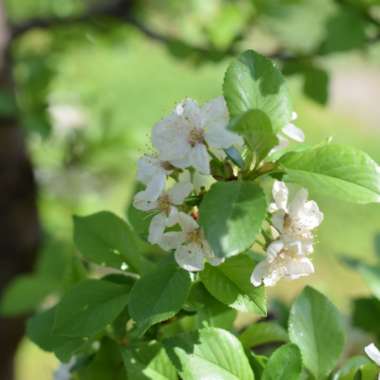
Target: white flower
point(63, 372)
point(200, 181)
point(166, 205)
point(183, 137)
point(152, 172)
point(66, 118)
point(281, 262)
point(191, 248)
point(373, 353)
point(290, 131)
point(294, 220)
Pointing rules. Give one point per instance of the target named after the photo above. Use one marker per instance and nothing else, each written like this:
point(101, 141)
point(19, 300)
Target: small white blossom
point(152, 172)
point(183, 137)
point(199, 181)
point(191, 248)
point(166, 205)
point(281, 262)
point(63, 372)
point(373, 353)
point(294, 220)
point(66, 117)
point(290, 131)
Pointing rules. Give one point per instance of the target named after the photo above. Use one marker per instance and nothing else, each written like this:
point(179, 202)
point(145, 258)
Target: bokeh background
point(83, 82)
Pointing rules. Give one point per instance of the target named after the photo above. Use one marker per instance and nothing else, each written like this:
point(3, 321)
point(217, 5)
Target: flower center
point(164, 203)
point(166, 165)
point(196, 136)
point(195, 236)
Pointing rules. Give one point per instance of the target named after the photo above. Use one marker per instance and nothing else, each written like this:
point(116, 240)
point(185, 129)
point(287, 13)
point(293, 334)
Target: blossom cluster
point(185, 141)
point(293, 224)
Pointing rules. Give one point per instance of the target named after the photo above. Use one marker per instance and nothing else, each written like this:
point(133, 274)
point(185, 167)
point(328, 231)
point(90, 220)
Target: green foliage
point(284, 364)
point(315, 326)
point(254, 82)
point(89, 307)
point(159, 295)
point(107, 240)
point(230, 284)
point(209, 351)
point(263, 333)
point(256, 128)
point(335, 170)
point(148, 361)
point(231, 216)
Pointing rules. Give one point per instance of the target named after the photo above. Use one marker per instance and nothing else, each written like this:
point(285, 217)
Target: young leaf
point(284, 364)
point(256, 128)
point(148, 361)
point(230, 284)
point(39, 329)
point(263, 333)
point(107, 361)
point(209, 354)
point(253, 82)
point(89, 307)
point(159, 295)
point(315, 326)
point(351, 367)
point(107, 240)
point(25, 293)
point(336, 170)
point(231, 215)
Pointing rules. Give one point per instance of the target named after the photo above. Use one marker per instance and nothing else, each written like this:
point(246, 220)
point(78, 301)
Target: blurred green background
point(90, 89)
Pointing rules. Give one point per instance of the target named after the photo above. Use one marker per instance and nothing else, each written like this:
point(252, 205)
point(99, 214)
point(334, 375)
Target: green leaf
point(349, 369)
point(370, 273)
point(284, 364)
point(315, 326)
point(209, 354)
point(159, 295)
point(89, 307)
point(148, 361)
point(231, 215)
point(230, 284)
point(316, 84)
point(344, 31)
point(257, 362)
point(25, 293)
point(106, 239)
point(365, 315)
point(39, 329)
point(263, 333)
point(106, 364)
point(253, 82)
point(256, 128)
point(335, 170)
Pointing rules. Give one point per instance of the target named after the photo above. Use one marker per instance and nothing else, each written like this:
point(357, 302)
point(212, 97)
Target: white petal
point(184, 161)
point(274, 249)
point(373, 353)
point(280, 194)
point(298, 203)
point(278, 220)
point(172, 240)
point(187, 223)
point(156, 228)
point(293, 132)
point(170, 138)
point(259, 273)
point(142, 201)
point(310, 215)
point(299, 267)
point(179, 192)
point(156, 186)
point(190, 257)
point(294, 116)
point(283, 143)
point(189, 110)
point(200, 159)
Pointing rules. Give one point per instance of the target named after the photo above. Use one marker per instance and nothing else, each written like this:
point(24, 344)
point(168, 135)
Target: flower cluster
point(185, 141)
point(293, 222)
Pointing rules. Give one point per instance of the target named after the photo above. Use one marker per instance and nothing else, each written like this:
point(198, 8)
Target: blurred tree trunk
point(19, 227)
